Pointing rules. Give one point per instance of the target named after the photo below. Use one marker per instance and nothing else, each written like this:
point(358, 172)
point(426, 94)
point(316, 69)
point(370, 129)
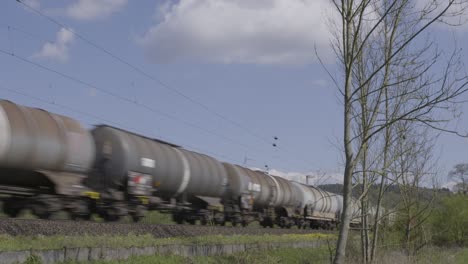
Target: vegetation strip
point(11, 243)
point(56, 249)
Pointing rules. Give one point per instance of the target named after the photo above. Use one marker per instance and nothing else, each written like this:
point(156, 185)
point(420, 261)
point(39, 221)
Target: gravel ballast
point(32, 227)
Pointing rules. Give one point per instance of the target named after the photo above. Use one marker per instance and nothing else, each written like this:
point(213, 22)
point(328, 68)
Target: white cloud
point(57, 50)
point(239, 31)
point(32, 3)
point(94, 9)
point(451, 185)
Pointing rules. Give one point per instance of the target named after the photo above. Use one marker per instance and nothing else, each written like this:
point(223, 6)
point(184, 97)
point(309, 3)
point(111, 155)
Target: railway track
point(32, 227)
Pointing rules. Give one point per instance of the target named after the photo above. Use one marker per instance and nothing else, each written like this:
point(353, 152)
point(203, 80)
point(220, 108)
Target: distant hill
point(393, 193)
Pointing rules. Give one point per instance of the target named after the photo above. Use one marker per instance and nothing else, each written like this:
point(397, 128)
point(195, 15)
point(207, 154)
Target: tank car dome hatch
point(173, 169)
point(34, 139)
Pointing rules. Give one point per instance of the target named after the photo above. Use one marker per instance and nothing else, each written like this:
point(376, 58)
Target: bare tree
point(460, 175)
point(398, 26)
point(414, 168)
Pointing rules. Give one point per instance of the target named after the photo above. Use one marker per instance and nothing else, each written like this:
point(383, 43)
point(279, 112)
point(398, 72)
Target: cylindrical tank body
point(174, 170)
point(320, 203)
point(238, 181)
point(34, 139)
point(256, 183)
point(267, 190)
point(305, 195)
point(286, 193)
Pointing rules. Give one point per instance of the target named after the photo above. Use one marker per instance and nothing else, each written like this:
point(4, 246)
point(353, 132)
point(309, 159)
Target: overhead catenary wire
point(101, 119)
point(125, 99)
point(35, 36)
point(161, 83)
point(142, 72)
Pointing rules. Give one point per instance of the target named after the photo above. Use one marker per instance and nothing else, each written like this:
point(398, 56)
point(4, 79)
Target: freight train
point(51, 163)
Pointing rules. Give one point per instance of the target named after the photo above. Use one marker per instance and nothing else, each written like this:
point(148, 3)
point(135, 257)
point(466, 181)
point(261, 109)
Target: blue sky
point(251, 62)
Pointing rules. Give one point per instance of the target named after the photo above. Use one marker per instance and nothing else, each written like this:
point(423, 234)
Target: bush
point(450, 222)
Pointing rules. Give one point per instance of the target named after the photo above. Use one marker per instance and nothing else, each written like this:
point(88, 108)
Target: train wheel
point(10, 210)
point(136, 218)
point(79, 211)
point(177, 218)
point(110, 215)
point(111, 218)
point(40, 210)
point(80, 217)
point(139, 213)
point(43, 215)
point(206, 219)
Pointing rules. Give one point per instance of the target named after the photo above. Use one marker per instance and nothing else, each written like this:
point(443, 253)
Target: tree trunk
point(345, 215)
point(347, 137)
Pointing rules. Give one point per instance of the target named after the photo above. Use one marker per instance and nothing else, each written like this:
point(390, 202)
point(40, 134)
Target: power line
point(41, 38)
point(96, 117)
point(125, 99)
point(142, 72)
point(161, 83)
point(29, 34)
point(133, 101)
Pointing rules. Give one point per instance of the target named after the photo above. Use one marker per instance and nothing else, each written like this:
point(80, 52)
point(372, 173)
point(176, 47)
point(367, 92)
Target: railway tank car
point(50, 162)
point(320, 208)
point(272, 199)
point(177, 176)
point(42, 155)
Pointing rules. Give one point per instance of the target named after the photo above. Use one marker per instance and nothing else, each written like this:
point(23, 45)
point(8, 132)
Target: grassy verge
point(286, 255)
point(8, 243)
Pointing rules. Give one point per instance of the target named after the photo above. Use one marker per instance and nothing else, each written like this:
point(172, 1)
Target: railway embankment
point(83, 254)
point(45, 241)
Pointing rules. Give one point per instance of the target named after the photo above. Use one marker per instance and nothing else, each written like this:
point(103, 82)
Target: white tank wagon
point(286, 201)
point(287, 195)
point(320, 208)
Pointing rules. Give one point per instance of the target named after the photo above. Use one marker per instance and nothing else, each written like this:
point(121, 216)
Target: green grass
point(462, 256)
point(9, 243)
point(286, 255)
